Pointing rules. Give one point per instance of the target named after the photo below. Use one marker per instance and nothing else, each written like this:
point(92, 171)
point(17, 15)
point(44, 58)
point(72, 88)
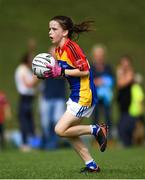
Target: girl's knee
point(59, 131)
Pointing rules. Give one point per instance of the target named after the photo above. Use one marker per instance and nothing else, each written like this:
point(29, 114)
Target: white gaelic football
point(39, 64)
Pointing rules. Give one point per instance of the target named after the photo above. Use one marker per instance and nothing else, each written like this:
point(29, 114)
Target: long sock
point(91, 164)
point(95, 129)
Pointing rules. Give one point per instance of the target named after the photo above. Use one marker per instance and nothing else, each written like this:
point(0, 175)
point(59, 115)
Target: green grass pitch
point(65, 164)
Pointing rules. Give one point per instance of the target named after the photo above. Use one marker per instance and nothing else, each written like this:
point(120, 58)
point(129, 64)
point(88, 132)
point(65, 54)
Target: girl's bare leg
point(81, 149)
point(69, 126)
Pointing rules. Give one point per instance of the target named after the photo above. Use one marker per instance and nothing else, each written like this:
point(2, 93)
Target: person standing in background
point(104, 81)
point(52, 107)
point(5, 113)
point(125, 79)
point(136, 110)
point(25, 84)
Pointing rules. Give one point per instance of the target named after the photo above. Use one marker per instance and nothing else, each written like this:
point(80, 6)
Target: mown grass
point(65, 164)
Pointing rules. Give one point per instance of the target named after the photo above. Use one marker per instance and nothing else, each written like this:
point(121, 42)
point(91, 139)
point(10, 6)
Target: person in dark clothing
point(125, 80)
point(127, 122)
point(104, 81)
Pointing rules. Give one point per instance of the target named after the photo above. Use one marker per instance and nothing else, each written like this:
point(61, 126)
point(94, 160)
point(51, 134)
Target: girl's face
point(56, 33)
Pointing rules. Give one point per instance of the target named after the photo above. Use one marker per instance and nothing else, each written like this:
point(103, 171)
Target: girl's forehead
point(54, 23)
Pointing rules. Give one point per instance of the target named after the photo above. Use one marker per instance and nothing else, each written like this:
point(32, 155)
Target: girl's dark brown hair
point(67, 24)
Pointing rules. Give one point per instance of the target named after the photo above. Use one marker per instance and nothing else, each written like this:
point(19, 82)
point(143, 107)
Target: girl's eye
point(54, 29)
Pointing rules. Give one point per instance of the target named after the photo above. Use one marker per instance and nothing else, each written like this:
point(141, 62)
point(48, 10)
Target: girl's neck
point(62, 42)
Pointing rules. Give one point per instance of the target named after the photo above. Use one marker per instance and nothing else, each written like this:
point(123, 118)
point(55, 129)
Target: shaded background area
point(119, 25)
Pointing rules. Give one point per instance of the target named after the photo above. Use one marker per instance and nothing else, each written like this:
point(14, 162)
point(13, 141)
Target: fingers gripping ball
point(40, 63)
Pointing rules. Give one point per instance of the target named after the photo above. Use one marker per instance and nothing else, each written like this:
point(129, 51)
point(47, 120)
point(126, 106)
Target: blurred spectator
point(5, 113)
point(25, 83)
point(104, 81)
point(125, 80)
point(136, 110)
point(52, 107)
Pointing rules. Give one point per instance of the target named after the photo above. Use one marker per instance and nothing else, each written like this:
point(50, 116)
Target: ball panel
point(40, 62)
point(46, 57)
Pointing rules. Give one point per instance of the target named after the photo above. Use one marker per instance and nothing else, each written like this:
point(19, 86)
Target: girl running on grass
point(73, 65)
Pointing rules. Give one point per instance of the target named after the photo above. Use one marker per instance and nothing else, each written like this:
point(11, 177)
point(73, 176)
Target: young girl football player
point(73, 65)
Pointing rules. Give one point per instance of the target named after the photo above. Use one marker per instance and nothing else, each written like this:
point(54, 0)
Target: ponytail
point(84, 26)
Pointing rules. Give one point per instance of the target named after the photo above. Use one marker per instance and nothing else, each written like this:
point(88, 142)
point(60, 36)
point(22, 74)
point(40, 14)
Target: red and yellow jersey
point(82, 89)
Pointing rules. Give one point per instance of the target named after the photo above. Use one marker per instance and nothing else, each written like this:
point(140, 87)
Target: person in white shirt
point(25, 84)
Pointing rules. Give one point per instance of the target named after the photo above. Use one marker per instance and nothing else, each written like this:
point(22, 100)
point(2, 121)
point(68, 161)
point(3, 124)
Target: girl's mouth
point(51, 37)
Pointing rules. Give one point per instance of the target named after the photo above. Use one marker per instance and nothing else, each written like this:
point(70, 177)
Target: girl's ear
point(65, 33)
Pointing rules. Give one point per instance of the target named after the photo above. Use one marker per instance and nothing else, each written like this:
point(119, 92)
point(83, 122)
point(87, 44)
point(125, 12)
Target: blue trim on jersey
point(64, 65)
point(74, 82)
point(93, 88)
point(75, 88)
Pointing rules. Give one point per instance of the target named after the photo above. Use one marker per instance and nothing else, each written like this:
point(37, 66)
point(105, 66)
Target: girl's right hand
point(55, 71)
